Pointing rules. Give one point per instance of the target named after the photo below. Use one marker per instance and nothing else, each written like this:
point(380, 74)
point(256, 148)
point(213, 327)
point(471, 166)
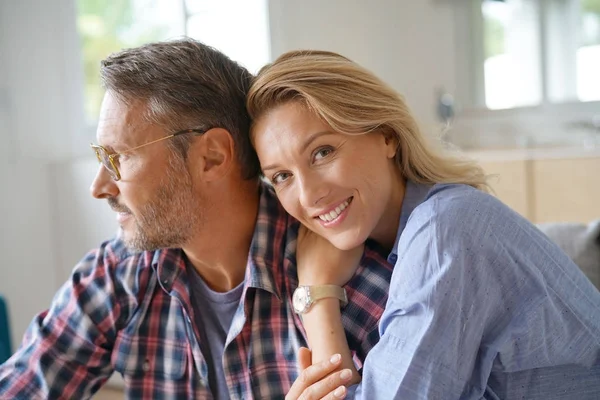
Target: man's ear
point(213, 154)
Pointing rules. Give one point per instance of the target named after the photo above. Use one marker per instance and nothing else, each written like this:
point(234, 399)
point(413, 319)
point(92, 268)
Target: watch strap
point(318, 292)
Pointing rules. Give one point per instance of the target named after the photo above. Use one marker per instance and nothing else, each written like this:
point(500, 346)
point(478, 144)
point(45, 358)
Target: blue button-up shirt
point(481, 305)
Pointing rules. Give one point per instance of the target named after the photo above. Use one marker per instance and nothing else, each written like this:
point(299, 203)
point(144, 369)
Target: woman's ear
point(215, 153)
point(391, 143)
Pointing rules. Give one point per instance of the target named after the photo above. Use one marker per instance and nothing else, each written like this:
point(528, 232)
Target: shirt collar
point(168, 265)
point(266, 249)
point(268, 245)
point(414, 195)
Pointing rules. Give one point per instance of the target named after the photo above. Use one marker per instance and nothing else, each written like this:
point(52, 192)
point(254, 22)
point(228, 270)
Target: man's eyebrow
point(118, 146)
point(303, 147)
point(108, 147)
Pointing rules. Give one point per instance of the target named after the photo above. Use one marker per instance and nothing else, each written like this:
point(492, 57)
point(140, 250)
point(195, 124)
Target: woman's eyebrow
point(312, 138)
point(303, 147)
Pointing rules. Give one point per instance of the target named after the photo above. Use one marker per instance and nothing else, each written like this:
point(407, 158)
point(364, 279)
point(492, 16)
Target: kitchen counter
point(539, 153)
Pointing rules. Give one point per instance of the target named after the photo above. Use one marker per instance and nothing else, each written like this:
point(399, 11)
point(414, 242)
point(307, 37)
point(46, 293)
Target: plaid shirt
point(132, 313)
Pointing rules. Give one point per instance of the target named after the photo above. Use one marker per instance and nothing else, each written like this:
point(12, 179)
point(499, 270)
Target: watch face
point(299, 299)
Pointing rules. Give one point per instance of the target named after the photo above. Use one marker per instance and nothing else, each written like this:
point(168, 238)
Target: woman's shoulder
point(459, 200)
point(456, 215)
point(460, 205)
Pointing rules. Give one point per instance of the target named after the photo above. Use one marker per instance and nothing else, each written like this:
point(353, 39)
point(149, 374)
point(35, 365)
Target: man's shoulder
point(108, 284)
point(114, 253)
point(113, 266)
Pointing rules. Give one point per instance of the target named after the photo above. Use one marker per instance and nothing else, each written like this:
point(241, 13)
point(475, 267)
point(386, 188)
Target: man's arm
point(66, 352)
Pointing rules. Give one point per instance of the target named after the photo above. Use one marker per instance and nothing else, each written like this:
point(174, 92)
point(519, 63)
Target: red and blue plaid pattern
point(132, 313)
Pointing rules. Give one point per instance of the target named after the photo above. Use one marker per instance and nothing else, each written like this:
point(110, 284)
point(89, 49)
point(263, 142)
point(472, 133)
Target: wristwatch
point(305, 296)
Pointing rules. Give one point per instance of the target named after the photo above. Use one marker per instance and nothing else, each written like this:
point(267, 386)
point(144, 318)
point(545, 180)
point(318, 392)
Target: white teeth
point(330, 216)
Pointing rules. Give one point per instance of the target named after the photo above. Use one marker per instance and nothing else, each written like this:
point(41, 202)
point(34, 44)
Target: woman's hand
point(319, 381)
point(321, 263)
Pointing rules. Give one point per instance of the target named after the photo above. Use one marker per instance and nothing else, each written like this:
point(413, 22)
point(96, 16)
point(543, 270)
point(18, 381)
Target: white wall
point(47, 218)
point(407, 43)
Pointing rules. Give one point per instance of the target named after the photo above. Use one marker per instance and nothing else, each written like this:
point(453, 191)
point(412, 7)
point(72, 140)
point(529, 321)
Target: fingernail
point(335, 358)
point(346, 374)
point(340, 392)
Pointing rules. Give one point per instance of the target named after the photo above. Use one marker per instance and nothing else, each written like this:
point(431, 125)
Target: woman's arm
point(320, 263)
point(326, 337)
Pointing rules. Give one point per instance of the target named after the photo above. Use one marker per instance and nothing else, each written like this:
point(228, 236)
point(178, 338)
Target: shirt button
point(146, 366)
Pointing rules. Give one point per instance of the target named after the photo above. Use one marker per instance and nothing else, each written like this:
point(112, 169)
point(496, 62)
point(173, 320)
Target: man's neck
point(220, 252)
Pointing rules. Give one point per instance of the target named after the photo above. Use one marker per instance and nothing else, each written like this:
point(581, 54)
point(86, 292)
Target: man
point(193, 299)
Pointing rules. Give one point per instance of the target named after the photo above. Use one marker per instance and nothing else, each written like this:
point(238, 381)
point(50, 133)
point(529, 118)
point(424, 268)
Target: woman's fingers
point(304, 358)
point(329, 388)
point(317, 381)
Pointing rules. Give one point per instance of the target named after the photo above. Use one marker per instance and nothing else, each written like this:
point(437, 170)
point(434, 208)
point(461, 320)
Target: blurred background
point(515, 84)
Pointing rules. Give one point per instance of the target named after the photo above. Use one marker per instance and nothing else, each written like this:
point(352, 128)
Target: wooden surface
point(566, 190)
point(109, 393)
point(545, 187)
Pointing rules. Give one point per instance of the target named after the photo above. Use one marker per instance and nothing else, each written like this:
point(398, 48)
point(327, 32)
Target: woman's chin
point(343, 242)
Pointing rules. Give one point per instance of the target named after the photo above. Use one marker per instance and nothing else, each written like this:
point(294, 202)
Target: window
point(534, 52)
point(512, 64)
point(588, 52)
point(239, 28)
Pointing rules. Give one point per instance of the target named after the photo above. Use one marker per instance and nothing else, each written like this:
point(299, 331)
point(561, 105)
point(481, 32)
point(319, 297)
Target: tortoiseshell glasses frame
point(109, 160)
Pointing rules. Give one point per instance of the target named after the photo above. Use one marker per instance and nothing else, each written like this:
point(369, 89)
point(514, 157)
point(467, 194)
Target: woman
point(481, 304)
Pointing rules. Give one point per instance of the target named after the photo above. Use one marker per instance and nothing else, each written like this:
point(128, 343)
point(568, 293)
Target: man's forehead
point(119, 121)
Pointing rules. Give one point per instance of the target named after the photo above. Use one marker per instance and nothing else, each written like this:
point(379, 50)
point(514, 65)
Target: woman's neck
point(387, 229)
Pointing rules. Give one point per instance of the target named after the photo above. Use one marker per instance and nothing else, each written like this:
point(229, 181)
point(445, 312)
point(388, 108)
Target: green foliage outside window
point(107, 27)
point(493, 37)
point(591, 8)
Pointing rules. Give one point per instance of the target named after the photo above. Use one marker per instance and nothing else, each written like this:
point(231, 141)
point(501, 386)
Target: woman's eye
point(280, 177)
point(322, 153)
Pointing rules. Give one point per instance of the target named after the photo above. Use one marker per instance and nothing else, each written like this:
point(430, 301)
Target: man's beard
point(171, 218)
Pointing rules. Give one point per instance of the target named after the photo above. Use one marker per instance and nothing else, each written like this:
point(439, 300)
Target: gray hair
point(186, 84)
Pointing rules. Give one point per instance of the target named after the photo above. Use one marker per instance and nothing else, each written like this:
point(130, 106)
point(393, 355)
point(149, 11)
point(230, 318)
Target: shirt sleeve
point(66, 351)
point(435, 320)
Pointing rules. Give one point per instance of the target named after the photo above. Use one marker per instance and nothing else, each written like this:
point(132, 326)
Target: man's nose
point(103, 186)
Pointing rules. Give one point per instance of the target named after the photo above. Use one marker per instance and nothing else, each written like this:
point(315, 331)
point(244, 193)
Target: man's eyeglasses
point(109, 160)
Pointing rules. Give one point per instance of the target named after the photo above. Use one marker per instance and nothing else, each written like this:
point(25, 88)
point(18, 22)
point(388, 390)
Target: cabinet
point(550, 188)
point(566, 190)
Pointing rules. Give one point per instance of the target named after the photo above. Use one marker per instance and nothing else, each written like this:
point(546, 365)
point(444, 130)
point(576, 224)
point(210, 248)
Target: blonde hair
point(352, 100)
